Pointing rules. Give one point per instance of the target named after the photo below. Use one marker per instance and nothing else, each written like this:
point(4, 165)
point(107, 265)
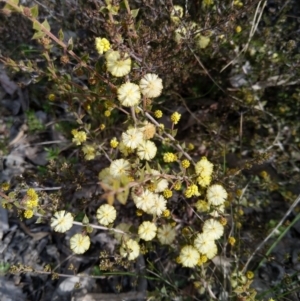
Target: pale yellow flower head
point(118, 66)
point(129, 94)
point(189, 256)
point(166, 234)
point(147, 231)
point(204, 243)
point(130, 249)
point(89, 152)
point(79, 136)
point(148, 130)
point(204, 167)
point(159, 206)
point(112, 55)
point(119, 168)
point(212, 252)
point(146, 150)
point(216, 195)
point(161, 183)
point(62, 221)
point(204, 181)
point(80, 243)
point(213, 229)
point(202, 206)
point(132, 138)
point(145, 200)
point(106, 214)
point(151, 85)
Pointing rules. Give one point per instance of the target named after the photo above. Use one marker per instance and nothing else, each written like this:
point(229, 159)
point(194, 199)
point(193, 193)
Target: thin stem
point(169, 136)
point(56, 40)
point(272, 233)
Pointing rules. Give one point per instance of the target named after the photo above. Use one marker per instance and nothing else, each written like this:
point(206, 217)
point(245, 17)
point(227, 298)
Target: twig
point(255, 23)
point(169, 136)
point(206, 71)
point(272, 232)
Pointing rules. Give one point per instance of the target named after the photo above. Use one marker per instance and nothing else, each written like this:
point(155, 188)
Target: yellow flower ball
point(169, 157)
point(175, 117)
point(28, 214)
point(114, 143)
point(102, 45)
point(185, 163)
point(158, 114)
point(107, 113)
point(238, 29)
point(167, 193)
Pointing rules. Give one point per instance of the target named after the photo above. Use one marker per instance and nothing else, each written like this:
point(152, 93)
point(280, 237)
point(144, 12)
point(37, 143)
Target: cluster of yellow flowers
point(102, 45)
point(170, 157)
point(79, 137)
point(204, 246)
point(150, 190)
point(204, 170)
point(89, 152)
point(32, 200)
point(192, 190)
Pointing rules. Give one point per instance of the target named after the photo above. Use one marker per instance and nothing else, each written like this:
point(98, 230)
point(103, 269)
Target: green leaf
point(89, 229)
point(37, 26)
point(85, 57)
point(174, 132)
point(116, 184)
point(135, 12)
point(113, 9)
point(46, 25)
point(8, 7)
point(40, 220)
point(42, 212)
point(38, 35)
point(70, 44)
point(123, 196)
point(34, 11)
point(163, 290)
point(110, 199)
point(61, 35)
point(148, 168)
point(85, 220)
